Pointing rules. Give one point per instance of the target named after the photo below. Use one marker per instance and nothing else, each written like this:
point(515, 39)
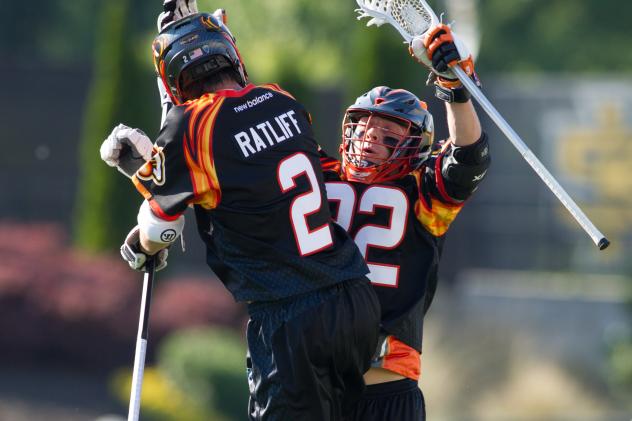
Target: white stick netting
point(412, 16)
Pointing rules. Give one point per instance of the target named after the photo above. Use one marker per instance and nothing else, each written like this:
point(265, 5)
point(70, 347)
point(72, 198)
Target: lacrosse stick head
point(194, 48)
point(411, 18)
point(386, 134)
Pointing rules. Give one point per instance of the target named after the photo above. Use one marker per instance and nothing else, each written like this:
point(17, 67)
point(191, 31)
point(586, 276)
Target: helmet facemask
point(377, 147)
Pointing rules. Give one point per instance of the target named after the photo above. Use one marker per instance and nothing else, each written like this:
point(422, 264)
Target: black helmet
point(406, 155)
point(194, 48)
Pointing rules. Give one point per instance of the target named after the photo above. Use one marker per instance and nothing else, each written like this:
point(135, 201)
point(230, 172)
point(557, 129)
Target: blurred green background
point(531, 321)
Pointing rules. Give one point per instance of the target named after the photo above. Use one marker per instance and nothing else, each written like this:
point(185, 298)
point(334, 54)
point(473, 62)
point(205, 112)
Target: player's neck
point(225, 84)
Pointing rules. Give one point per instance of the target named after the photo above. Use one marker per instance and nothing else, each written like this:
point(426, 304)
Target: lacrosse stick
point(413, 18)
point(172, 10)
point(141, 341)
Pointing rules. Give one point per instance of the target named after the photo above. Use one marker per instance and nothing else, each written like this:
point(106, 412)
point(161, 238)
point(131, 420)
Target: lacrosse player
point(245, 158)
point(396, 193)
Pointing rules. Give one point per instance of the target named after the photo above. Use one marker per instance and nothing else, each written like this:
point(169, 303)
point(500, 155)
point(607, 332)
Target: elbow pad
point(463, 168)
point(158, 230)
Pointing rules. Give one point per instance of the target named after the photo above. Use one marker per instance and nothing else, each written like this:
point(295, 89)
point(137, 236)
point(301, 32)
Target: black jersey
point(399, 227)
point(247, 160)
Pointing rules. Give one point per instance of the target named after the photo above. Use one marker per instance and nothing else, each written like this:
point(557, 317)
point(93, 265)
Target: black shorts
point(400, 400)
point(307, 354)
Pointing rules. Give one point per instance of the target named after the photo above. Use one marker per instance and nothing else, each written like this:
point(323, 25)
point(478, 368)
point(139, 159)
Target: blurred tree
point(55, 31)
point(94, 220)
point(121, 92)
point(589, 36)
point(294, 41)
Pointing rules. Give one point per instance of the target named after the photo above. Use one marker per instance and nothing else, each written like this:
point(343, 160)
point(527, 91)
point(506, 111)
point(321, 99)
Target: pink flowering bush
point(59, 304)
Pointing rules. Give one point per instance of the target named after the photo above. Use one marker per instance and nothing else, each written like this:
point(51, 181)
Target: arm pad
point(464, 167)
point(158, 230)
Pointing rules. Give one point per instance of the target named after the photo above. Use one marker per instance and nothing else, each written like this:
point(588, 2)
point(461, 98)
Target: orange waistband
point(399, 358)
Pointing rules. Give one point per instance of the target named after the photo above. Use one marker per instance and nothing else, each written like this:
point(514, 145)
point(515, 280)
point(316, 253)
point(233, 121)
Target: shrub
point(59, 304)
point(161, 399)
point(209, 365)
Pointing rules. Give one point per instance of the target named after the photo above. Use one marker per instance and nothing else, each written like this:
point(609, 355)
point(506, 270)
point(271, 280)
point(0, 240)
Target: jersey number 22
point(371, 235)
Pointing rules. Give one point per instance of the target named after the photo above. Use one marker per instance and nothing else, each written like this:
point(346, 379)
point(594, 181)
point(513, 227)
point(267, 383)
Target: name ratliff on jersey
point(247, 161)
point(275, 131)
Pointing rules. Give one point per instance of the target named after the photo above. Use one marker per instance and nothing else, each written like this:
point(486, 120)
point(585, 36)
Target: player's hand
point(439, 49)
point(134, 256)
point(174, 10)
point(126, 149)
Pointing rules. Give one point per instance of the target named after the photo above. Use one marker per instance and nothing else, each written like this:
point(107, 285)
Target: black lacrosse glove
point(439, 49)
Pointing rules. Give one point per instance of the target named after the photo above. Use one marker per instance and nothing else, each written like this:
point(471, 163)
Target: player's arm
point(438, 49)
point(160, 219)
point(463, 123)
point(465, 159)
point(150, 247)
point(165, 183)
point(151, 237)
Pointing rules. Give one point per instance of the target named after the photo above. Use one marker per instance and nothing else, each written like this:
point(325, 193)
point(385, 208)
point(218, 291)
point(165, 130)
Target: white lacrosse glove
point(126, 149)
point(174, 10)
point(135, 258)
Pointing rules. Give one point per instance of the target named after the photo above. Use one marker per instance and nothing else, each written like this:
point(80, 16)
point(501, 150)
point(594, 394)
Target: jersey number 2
point(305, 204)
point(370, 235)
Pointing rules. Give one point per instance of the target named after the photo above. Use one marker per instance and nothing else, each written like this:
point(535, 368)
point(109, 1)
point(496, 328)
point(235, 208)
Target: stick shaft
point(137, 380)
point(165, 102)
point(141, 343)
point(597, 237)
point(148, 281)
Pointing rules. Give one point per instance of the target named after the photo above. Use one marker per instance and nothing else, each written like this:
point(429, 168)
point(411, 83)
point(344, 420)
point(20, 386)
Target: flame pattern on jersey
point(435, 215)
point(198, 150)
point(330, 164)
